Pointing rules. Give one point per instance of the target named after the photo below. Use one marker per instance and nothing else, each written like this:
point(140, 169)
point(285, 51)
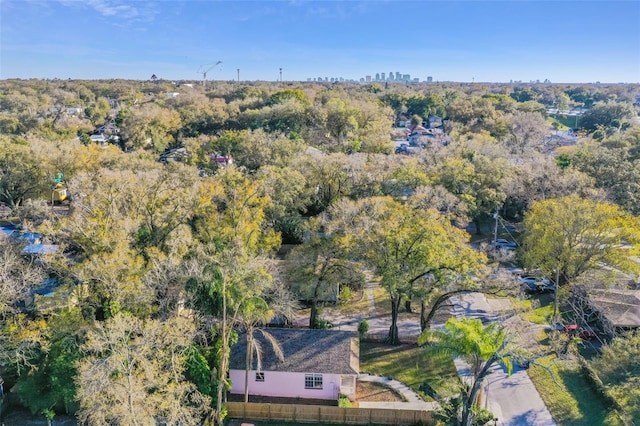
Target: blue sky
point(563, 41)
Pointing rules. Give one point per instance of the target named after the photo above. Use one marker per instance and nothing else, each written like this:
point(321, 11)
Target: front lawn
point(409, 365)
point(541, 315)
point(570, 399)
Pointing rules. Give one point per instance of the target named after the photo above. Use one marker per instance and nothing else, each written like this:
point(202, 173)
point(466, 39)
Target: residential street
point(513, 399)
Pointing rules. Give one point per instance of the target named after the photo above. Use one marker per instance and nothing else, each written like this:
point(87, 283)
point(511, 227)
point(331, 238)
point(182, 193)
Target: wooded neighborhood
point(167, 246)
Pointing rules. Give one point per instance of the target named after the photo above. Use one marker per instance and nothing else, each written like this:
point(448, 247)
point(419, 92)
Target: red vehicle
point(584, 332)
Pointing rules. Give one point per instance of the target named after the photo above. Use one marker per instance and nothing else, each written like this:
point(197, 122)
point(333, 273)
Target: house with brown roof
point(317, 364)
point(617, 309)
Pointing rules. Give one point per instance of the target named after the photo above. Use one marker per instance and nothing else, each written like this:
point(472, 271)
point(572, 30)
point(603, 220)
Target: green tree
point(50, 385)
point(254, 313)
point(150, 125)
point(98, 111)
point(480, 346)
point(21, 175)
point(573, 234)
point(290, 196)
point(477, 180)
point(316, 269)
point(618, 369)
point(327, 180)
point(405, 247)
point(607, 115)
point(567, 236)
point(231, 225)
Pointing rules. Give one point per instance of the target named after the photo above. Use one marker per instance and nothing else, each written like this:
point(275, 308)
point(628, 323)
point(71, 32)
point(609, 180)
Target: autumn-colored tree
point(17, 276)
point(134, 374)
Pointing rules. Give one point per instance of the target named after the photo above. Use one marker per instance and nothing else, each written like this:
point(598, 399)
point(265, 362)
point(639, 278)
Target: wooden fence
point(327, 414)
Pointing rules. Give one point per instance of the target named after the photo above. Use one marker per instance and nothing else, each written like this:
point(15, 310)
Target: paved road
point(513, 399)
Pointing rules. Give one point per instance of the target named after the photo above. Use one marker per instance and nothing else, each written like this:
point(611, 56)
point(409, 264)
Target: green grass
point(541, 315)
point(409, 365)
point(356, 306)
point(566, 121)
point(382, 301)
point(569, 398)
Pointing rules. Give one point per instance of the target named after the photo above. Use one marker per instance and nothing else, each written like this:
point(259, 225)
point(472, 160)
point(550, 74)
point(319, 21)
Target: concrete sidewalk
point(413, 400)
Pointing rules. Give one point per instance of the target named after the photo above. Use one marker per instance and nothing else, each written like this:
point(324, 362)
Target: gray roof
point(305, 351)
point(620, 307)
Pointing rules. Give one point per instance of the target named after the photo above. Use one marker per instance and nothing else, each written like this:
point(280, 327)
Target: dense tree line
point(160, 265)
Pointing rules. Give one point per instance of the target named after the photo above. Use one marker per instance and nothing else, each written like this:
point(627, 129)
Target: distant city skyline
point(466, 41)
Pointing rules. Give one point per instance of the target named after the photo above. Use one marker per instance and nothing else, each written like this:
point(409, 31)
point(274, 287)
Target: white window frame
point(313, 381)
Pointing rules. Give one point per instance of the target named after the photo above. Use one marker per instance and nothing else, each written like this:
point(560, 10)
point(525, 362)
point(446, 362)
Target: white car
point(530, 279)
point(503, 244)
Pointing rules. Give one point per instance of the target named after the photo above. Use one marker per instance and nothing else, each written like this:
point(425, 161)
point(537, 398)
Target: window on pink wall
point(313, 381)
point(260, 377)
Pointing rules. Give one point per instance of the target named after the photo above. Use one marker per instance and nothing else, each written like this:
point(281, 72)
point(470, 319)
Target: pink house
point(317, 364)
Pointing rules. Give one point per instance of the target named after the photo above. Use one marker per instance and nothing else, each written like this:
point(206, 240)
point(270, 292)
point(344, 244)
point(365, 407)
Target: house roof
point(305, 351)
point(620, 307)
point(40, 249)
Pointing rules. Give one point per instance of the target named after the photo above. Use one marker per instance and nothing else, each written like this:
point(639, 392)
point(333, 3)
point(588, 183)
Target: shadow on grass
point(408, 364)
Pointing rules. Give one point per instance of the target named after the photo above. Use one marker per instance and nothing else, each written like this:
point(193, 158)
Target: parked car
point(529, 287)
point(533, 284)
point(531, 279)
point(503, 244)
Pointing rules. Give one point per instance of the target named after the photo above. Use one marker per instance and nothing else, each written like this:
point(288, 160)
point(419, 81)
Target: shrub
point(345, 293)
point(363, 327)
point(344, 402)
point(323, 324)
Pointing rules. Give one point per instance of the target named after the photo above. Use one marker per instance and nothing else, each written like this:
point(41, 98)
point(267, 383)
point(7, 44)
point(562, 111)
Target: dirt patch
point(371, 391)
point(279, 400)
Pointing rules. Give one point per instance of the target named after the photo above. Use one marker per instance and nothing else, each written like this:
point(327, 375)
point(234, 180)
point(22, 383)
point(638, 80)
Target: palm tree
point(256, 312)
point(481, 346)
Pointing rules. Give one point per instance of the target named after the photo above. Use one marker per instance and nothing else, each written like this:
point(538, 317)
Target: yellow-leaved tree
point(409, 249)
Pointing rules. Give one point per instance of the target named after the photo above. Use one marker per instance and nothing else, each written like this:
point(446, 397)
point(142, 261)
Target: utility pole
point(495, 228)
point(555, 296)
